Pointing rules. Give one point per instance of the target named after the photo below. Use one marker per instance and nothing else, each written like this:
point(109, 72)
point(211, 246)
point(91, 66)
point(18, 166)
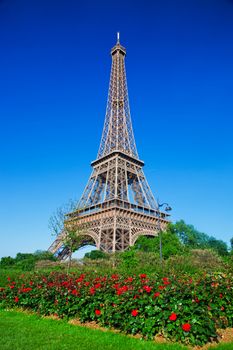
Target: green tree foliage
point(128, 260)
point(96, 254)
point(193, 239)
point(171, 244)
point(231, 242)
point(26, 261)
point(179, 238)
point(219, 246)
point(7, 261)
point(189, 236)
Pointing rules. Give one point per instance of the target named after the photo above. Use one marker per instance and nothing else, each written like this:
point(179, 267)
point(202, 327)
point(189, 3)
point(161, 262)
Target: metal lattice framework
point(117, 205)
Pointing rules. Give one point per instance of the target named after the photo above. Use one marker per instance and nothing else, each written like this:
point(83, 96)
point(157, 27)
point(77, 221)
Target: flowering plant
point(179, 308)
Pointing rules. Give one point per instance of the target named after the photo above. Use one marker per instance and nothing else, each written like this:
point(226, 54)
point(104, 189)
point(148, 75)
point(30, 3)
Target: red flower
point(222, 308)
point(115, 277)
point(75, 292)
point(156, 295)
point(186, 327)
point(92, 290)
point(134, 313)
point(220, 295)
point(165, 281)
point(25, 290)
point(143, 275)
point(80, 279)
point(16, 299)
point(8, 278)
point(197, 300)
point(122, 290)
point(97, 312)
point(173, 317)
point(97, 285)
point(147, 289)
point(161, 287)
point(129, 279)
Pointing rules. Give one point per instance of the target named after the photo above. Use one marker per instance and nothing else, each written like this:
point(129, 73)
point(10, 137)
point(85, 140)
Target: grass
point(222, 347)
point(22, 331)
point(28, 331)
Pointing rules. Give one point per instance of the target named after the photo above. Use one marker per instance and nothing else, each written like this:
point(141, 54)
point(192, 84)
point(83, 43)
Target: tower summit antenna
point(118, 37)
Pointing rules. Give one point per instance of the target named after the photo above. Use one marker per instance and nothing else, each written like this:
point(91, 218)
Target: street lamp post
point(167, 208)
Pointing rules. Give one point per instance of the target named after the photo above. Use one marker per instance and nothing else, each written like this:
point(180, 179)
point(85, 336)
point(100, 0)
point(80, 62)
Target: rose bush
point(179, 308)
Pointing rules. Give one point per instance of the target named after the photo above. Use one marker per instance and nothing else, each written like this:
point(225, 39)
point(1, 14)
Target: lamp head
point(168, 208)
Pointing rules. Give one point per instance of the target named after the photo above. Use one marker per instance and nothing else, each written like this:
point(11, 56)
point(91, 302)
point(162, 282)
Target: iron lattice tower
point(117, 205)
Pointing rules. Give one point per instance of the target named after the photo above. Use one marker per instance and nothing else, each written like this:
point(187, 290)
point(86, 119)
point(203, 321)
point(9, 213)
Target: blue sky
point(54, 75)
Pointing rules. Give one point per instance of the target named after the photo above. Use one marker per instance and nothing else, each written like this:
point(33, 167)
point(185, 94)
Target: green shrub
point(179, 307)
point(96, 254)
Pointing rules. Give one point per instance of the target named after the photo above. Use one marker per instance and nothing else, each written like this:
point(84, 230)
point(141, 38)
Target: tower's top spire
point(118, 47)
point(118, 37)
point(118, 132)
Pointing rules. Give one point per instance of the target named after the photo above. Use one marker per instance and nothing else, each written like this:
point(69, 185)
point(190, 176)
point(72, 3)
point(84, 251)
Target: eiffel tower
point(117, 205)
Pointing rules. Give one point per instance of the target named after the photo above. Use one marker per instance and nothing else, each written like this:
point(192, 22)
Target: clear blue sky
point(54, 74)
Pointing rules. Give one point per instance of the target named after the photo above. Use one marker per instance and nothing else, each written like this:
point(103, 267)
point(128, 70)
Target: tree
point(44, 255)
point(56, 221)
point(193, 239)
point(219, 246)
point(7, 261)
point(96, 254)
point(71, 239)
point(171, 244)
point(231, 242)
point(189, 236)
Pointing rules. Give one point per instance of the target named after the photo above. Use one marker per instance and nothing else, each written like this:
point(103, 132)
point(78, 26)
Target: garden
point(187, 299)
point(179, 308)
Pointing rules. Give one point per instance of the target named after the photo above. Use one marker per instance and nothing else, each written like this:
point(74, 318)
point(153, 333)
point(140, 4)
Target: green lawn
point(22, 331)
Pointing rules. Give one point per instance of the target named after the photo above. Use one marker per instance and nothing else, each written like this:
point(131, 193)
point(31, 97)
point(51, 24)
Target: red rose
point(161, 287)
point(16, 299)
point(186, 327)
point(92, 290)
point(222, 308)
point(147, 289)
point(220, 295)
point(134, 313)
point(74, 292)
point(114, 277)
point(97, 312)
point(156, 295)
point(143, 275)
point(173, 317)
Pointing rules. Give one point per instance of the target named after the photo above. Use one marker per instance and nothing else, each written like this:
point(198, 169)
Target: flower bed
point(181, 309)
